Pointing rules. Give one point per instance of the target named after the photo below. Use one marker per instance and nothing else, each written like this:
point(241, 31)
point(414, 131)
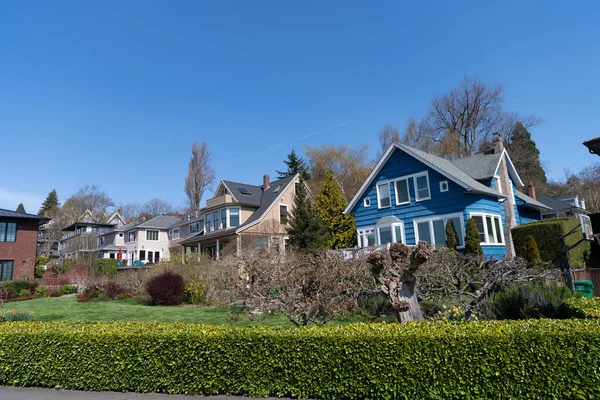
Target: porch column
point(198, 250)
point(217, 251)
point(183, 254)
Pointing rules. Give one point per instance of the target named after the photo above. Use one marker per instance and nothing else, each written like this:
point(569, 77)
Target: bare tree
point(156, 206)
point(387, 136)
point(130, 211)
point(89, 197)
point(200, 175)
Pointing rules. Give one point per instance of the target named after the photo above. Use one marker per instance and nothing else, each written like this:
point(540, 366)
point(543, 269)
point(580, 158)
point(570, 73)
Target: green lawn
point(68, 309)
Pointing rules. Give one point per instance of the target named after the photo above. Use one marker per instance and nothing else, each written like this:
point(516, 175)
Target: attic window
point(244, 191)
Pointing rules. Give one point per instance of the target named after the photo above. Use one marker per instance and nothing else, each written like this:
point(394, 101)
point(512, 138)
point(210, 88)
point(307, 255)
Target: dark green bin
point(585, 287)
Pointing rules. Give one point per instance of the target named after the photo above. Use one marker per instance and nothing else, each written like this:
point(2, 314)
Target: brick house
point(18, 244)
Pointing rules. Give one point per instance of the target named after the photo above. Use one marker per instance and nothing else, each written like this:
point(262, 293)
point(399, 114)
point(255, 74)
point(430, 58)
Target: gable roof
point(14, 214)
point(186, 221)
point(556, 204)
point(530, 201)
point(254, 198)
point(159, 222)
point(441, 165)
point(593, 145)
point(479, 166)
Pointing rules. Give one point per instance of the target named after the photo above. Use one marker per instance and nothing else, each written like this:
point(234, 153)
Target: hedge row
point(517, 359)
point(547, 235)
point(583, 307)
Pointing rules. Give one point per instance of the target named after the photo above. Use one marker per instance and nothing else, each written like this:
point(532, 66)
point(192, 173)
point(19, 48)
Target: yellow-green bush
point(583, 307)
point(517, 359)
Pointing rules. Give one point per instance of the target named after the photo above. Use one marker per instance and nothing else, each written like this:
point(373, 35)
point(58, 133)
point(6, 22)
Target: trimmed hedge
point(547, 235)
point(107, 267)
point(517, 359)
point(583, 307)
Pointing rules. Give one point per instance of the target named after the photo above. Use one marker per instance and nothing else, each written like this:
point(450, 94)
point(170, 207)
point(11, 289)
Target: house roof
point(184, 221)
point(96, 224)
point(593, 145)
point(479, 166)
point(530, 201)
point(556, 204)
point(112, 247)
point(159, 222)
point(254, 192)
point(211, 235)
point(19, 215)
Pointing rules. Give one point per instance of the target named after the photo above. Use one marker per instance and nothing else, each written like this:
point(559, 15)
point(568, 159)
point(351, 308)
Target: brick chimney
point(266, 182)
point(531, 190)
point(498, 143)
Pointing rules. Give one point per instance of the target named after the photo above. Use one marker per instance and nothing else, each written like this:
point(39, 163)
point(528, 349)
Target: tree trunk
point(407, 295)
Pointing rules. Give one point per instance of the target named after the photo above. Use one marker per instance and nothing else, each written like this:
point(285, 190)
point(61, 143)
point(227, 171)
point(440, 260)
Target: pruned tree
point(307, 231)
point(156, 206)
point(50, 203)
point(200, 175)
point(21, 208)
point(395, 274)
point(295, 165)
point(350, 166)
point(451, 236)
point(330, 207)
point(308, 289)
point(472, 239)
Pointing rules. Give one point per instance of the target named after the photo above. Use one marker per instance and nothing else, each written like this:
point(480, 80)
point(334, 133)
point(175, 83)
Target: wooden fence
point(591, 274)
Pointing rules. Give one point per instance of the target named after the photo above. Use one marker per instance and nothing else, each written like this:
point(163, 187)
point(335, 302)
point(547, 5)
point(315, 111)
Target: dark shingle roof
point(530, 201)
point(186, 221)
point(13, 214)
point(254, 198)
point(554, 203)
point(479, 166)
point(159, 222)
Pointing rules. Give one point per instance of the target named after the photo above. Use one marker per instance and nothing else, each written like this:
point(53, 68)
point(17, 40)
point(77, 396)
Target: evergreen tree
point(532, 254)
point(295, 165)
point(451, 236)
point(21, 208)
point(307, 231)
point(51, 203)
point(526, 157)
point(472, 242)
point(330, 209)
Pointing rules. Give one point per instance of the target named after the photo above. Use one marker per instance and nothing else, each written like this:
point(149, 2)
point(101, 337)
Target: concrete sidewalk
point(14, 393)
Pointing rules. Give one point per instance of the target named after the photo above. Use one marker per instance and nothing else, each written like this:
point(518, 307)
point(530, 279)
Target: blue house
point(410, 195)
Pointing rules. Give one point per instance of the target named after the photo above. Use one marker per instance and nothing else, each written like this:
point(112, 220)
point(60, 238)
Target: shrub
point(68, 289)
point(53, 293)
point(92, 292)
point(16, 285)
point(33, 285)
point(61, 268)
point(166, 289)
point(582, 307)
point(430, 308)
point(111, 289)
point(532, 254)
point(16, 316)
point(375, 304)
point(24, 292)
point(107, 267)
point(7, 293)
point(39, 271)
point(124, 296)
point(547, 235)
point(41, 291)
point(195, 292)
point(549, 359)
point(531, 301)
point(42, 260)
point(451, 236)
point(472, 241)
point(455, 314)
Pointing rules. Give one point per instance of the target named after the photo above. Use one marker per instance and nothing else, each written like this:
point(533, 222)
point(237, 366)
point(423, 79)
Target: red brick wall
point(23, 251)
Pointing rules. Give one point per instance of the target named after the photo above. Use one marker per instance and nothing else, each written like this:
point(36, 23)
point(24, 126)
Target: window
point(366, 237)
point(402, 195)
point(216, 220)
point(383, 195)
point(6, 270)
point(489, 228)
point(244, 191)
point(152, 235)
point(131, 236)
point(120, 235)
point(367, 201)
point(175, 233)
point(234, 217)
point(193, 228)
point(224, 218)
point(422, 186)
point(142, 255)
point(283, 214)
point(497, 184)
point(8, 231)
point(208, 222)
point(111, 255)
point(101, 240)
point(444, 186)
point(260, 242)
point(433, 230)
point(390, 232)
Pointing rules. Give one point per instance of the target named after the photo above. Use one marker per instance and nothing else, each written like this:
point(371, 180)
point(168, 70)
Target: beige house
point(148, 242)
point(241, 215)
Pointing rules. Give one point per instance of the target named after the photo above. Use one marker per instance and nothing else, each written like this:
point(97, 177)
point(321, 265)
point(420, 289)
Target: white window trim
point(379, 197)
point(392, 226)
point(239, 216)
point(367, 202)
point(415, 176)
point(287, 209)
point(484, 215)
point(404, 178)
point(442, 183)
point(362, 235)
point(152, 230)
point(444, 218)
point(178, 233)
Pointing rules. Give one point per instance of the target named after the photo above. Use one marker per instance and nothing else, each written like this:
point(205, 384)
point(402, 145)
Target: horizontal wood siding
point(527, 215)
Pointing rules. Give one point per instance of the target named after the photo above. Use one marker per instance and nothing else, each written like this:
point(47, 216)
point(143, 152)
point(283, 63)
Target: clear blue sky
point(114, 93)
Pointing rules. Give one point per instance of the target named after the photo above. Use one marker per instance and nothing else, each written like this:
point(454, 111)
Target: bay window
point(216, 220)
point(223, 218)
point(489, 228)
point(208, 222)
point(234, 217)
point(390, 233)
point(433, 230)
point(383, 195)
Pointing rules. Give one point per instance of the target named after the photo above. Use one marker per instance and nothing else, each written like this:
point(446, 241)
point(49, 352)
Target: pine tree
point(472, 242)
point(51, 203)
point(451, 236)
point(21, 208)
point(307, 231)
point(295, 165)
point(526, 157)
point(532, 254)
point(330, 209)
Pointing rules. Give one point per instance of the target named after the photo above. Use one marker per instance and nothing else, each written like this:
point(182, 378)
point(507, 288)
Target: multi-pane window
point(8, 231)
point(216, 220)
point(383, 195)
point(234, 217)
point(131, 236)
point(152, 235)
point(193, 228)
point(6, 270)
point(422, 186)
point(283, 214)
point(142, 255)
point(489, 228)
point(366, 237)
point(402, 196)
point(433, 230)
point(208, 222)
point(175, 233)
point(224, 218)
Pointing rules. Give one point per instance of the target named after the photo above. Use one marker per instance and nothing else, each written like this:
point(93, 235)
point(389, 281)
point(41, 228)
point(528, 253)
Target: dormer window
point(244, 191)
